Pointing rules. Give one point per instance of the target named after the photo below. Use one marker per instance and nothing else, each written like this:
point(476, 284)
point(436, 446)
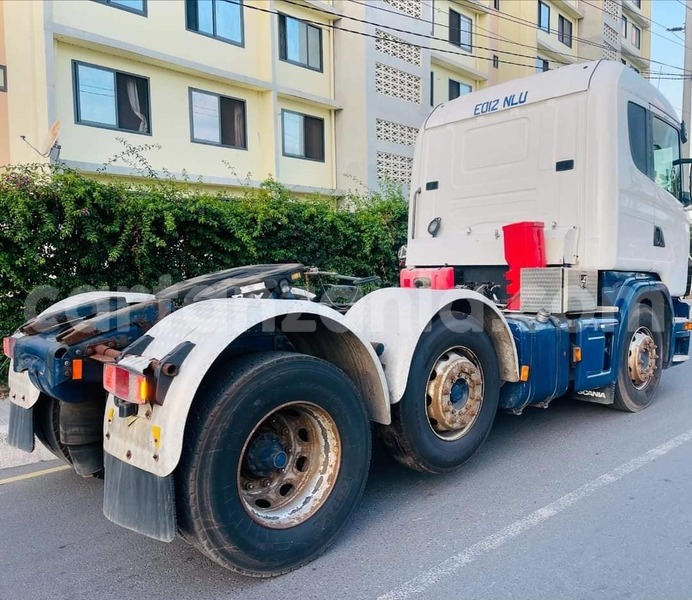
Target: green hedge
point(67, 231)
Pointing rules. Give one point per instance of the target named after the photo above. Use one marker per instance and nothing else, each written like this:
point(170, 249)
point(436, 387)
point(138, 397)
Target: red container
point(441, 278)
point(524, 248)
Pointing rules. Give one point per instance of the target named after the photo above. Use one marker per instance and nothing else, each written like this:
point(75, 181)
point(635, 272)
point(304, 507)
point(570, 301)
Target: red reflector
point(8, 346)
point(125, 385)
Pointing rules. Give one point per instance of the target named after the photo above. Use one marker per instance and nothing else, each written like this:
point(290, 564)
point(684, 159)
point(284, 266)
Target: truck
point(547, 256)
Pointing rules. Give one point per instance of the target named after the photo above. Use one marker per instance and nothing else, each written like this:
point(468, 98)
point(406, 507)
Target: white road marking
point(450, 566)
point(34, 474)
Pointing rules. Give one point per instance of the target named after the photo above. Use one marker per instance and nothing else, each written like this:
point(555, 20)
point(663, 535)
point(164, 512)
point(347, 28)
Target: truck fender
point(398, 317)
point(24, 393)
point(152, 439)
point(654, 293)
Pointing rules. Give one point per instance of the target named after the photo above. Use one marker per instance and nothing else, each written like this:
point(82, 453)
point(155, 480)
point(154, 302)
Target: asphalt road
point(576, 501)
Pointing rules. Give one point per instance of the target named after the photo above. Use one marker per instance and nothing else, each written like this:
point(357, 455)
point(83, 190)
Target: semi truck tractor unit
point(547, 255)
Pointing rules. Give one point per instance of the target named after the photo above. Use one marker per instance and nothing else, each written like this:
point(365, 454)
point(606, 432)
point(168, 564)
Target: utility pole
point(687, 79)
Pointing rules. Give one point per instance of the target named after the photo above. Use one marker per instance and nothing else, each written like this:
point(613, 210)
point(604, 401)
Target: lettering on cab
point(509, 101)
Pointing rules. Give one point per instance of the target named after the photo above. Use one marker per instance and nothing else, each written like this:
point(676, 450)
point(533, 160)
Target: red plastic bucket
point(524, 248)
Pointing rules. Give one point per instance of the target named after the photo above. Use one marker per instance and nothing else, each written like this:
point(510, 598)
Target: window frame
point(283, 137)
point(134, 11)
point(3, 78)
point(219, 144)
point(624, 26)
point(213, 36)
point(638, 35)
point(459, 85)
point(542, 5)
point(544, 63)
point(496, 5)
point(561, 21)
point(496, 61)
point(77, 103)
point(283, 48)
point(462, 18)
point(648, 142)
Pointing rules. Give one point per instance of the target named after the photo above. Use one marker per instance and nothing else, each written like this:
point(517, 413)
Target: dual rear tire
point(275, 460)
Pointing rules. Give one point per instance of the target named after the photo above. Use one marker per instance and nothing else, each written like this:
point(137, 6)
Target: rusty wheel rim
point(289, 464)
point(641, 358)
point(454, 394)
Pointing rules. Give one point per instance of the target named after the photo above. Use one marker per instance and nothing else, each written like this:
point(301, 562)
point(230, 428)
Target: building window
point(542, 65)
point(432, 88)
point(457, 89)
point(460, 31)
point(496, 61)
point(637, 3)
point(544, 17)
point(623, 26)
point(496, 4)
point(300, 43)
point(220, 19)
point(303, 136)
point(636, 37)
point(135, 6)
point(3, 78)
point(107, 98)
point(564, 31)
point(217, 120)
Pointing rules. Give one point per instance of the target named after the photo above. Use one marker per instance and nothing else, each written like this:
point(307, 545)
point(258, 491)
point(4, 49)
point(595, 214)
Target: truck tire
point(641, 361)
point(47, 427)
point(451, 398)
point(275, 459)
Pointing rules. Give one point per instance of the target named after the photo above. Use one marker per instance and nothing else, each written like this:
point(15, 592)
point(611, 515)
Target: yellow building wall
point(441, 76)
point(453, 53)
point(299, 171)
point(164, 31)
point(299, 77)
point(27, 96)
point(169, 120)
point(4, 118)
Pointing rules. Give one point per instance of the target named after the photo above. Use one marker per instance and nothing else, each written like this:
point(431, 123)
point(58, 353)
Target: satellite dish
point(51, 139)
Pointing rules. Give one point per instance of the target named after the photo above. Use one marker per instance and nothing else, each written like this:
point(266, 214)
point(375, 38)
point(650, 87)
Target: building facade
point(322, 95)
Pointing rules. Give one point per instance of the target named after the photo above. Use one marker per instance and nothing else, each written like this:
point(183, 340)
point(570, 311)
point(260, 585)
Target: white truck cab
point(589, 149)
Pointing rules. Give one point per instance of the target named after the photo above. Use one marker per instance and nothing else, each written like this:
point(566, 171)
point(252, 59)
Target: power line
point(651, 21)
point(501, 16)
point(404, 42)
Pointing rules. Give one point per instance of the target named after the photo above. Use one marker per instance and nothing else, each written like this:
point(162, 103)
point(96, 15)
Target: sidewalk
point(11, 457)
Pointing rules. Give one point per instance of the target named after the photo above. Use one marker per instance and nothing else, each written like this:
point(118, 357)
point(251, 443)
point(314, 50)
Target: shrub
point(67, 231)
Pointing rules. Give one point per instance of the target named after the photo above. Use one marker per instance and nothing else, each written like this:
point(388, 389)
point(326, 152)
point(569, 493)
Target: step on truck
point(547, 256)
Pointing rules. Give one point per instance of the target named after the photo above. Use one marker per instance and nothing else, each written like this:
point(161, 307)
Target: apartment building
point(322, 95)
point(618, 31)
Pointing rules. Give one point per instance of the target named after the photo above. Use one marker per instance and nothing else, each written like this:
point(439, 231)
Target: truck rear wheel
point(47, 426)
point(275, 460)
point(641, 361)
point(450, 401)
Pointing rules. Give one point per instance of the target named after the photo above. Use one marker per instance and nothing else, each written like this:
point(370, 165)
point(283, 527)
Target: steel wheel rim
point(641, 358)
point(454, 393)
point(280, 496)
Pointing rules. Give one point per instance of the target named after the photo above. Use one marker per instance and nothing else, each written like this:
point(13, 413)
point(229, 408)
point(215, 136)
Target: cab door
point(670, 236)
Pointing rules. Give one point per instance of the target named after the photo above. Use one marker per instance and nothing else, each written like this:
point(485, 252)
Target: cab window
point(666, 152)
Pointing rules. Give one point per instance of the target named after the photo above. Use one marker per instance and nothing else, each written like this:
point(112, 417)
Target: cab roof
point(555, 83)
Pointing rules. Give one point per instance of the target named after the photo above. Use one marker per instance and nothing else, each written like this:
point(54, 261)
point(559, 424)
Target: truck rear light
point(126, 385)
point(8, 346)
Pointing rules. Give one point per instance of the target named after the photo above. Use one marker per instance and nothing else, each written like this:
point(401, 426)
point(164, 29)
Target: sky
point(668, 47)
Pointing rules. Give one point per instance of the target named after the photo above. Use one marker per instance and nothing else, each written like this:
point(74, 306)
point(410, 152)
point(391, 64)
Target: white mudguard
point(152, 439)
point(397, 318)
point(24, 393)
